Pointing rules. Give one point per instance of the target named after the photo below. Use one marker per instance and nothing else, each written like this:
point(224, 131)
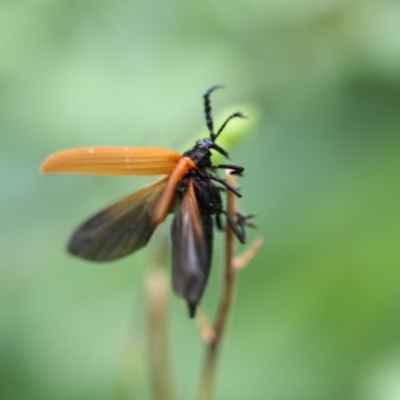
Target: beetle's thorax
point(200, 153)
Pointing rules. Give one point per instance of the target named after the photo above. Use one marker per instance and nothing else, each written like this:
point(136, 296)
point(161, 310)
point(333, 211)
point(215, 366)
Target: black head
point(205, 143)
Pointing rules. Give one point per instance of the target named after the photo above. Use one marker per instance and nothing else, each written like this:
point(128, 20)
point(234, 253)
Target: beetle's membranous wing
point(191, 249)
point(119, 229)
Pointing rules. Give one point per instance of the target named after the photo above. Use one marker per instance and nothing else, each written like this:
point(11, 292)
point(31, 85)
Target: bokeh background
point(317, 313)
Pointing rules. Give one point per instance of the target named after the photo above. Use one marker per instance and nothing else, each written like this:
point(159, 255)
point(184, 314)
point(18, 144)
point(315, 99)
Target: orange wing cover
point(112, 161)
point(163, 206)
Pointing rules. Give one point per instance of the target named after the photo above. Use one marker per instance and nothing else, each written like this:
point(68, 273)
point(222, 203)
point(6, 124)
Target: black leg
point(207, 109)
point(229, 187)
point(220, 150)
point(235, 115)
point(237, 228)
point(238, 225)
point(218, 221)
point(244, 219)
point(236, 169)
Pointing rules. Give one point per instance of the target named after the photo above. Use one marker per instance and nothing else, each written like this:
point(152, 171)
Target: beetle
point(190, 186)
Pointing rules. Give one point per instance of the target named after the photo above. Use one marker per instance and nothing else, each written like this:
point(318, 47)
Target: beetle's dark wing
point(191, 250)
point(119, 229)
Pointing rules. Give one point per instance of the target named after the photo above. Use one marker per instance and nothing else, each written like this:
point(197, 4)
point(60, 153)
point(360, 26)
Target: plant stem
point(158, 345)
point(212, 349)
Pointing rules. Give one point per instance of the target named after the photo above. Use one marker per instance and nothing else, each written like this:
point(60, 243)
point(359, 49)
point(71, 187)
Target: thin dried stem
point(241, 260)
point(212, 350)
point(231, 266)
point(157, 293)
point(206, 330)
point(129, 367)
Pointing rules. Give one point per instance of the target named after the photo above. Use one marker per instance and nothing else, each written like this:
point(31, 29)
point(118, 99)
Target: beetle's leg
point(236, 169)
point(238, 225)
point(222, 182)
point(220, 150)
point(218, 221)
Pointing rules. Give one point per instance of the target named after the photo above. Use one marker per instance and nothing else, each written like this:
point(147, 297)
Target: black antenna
point(234, 115)
point(207, 109)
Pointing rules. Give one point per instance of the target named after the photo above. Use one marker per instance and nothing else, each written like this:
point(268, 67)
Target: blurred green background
point(317, 313)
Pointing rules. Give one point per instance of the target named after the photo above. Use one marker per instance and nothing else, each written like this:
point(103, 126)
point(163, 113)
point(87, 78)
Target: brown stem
point(212, 350)
point(157, 293)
